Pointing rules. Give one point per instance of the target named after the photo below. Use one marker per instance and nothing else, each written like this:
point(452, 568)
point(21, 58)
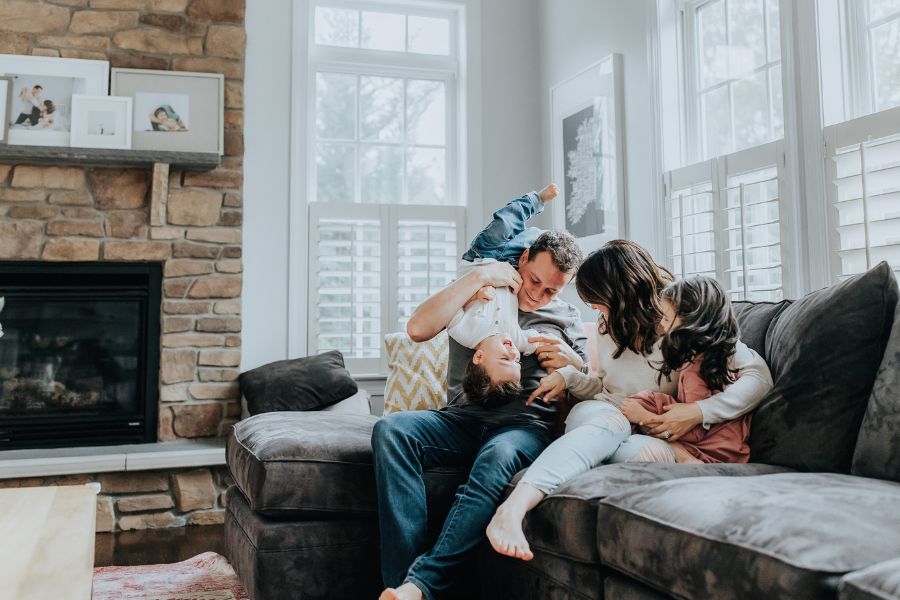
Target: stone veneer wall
point(66, 213)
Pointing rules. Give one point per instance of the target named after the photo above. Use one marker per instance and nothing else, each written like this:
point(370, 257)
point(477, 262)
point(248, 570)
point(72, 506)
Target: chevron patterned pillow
point(418, 373)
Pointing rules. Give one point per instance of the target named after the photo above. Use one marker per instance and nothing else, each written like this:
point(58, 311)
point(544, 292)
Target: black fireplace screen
point(79, 357)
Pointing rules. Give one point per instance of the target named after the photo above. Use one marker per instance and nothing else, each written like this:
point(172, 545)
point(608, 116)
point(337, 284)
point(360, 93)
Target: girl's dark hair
point(623, 276)
point(708, 329)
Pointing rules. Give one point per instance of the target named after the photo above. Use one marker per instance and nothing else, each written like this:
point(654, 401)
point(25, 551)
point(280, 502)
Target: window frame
point(689, 42)
point(465, 39)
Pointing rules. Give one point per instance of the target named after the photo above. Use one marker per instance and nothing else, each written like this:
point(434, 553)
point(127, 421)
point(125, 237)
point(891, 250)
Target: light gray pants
point(596, 432)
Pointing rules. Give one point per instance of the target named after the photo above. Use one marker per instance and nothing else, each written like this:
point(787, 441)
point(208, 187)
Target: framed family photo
point(42, 89)
point(101, 122)
point(5, 107)
point(587, 153)
point(173, 110)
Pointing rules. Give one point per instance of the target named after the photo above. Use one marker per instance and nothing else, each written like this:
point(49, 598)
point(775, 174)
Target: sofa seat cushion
point(315, 464)
point(879, 582)
point(750, 537)
point(565, 522)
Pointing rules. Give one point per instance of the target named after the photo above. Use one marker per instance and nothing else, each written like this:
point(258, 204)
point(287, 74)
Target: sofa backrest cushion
point(754, 319)
point(878, 447)
point(417, 379)
point(308, 383)
point(824, 351)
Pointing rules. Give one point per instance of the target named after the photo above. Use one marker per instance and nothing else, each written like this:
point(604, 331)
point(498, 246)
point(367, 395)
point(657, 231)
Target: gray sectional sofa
point(816, 514)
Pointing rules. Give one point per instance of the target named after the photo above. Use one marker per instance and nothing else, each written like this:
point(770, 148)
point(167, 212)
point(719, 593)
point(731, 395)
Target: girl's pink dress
point(722, 443)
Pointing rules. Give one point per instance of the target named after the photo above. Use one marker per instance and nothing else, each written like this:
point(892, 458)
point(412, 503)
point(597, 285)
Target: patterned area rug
point(207, 576)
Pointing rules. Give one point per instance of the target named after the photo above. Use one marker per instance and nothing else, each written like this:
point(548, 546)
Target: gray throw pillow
point(308, 383)
point(878, 447)
point(754, 319)
point(824, 351)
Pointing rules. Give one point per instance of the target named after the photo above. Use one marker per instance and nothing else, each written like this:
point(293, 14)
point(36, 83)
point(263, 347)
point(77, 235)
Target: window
point(861, 113)
point(383, 183)
point(724, 221)
point(724, 211)
point(733, 75)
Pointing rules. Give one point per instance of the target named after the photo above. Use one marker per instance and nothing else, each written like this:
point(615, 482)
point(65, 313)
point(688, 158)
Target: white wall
point(575, 34)
point(506, 148)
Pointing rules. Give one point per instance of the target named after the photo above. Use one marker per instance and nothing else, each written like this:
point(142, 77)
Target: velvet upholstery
point(565, 521)
point(878, 447)
point(545, 577)
point(754, 319)
point(617, 587)
point(289, 560)
point(308, 383)
point(878, 582)
point(316, 464)
point(824, 351)
point(767, 536)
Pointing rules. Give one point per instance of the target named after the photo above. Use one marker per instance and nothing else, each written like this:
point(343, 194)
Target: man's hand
point(553, 353)
point(677, 420)
point(499, 275)
point(551, 388)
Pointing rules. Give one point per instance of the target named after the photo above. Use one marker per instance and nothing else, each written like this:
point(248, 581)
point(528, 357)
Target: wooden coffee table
point(47, 542)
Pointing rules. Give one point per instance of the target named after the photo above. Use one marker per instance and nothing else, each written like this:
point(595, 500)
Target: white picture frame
point(587, 153)
point(5, 108)
point(31, 120)
point(101, 122)
point(191, 105)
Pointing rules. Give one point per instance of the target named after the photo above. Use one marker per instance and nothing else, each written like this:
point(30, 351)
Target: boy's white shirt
point(482, 319)
point(631, 373)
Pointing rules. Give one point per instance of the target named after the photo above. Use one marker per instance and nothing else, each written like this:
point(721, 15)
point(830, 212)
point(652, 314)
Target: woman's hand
point(550, 388)
point(676, 421)
point(553, 353)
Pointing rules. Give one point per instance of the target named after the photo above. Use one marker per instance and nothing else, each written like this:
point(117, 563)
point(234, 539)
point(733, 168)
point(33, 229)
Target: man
point(31, 105)
point(496, 440)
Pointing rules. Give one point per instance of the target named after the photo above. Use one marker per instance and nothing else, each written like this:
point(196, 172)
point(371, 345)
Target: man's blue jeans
point(405, 444)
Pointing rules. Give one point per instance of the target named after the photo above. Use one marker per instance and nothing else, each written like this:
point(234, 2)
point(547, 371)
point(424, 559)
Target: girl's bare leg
point(682, 455)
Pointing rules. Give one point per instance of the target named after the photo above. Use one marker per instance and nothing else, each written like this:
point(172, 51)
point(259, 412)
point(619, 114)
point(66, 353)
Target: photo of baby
point(41, 103)
point(161, 112)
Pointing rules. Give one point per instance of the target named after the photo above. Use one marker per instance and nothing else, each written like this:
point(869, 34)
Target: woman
point(623, 283)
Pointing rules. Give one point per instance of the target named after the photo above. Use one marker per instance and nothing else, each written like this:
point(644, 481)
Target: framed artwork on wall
point(173, 110)
point(587, 153)
point(101, 122)
point(42, 90)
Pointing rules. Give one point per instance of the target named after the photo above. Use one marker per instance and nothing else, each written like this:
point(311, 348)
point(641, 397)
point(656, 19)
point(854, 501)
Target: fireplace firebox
point(79, 356)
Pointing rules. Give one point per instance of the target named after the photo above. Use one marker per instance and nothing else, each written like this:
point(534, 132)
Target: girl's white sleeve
point(753, 383)
point(520, 339)
point(464, 330)
point(579, 384)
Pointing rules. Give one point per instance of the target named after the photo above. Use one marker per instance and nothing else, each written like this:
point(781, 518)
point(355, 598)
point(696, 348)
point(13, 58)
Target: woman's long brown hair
point(623, 276)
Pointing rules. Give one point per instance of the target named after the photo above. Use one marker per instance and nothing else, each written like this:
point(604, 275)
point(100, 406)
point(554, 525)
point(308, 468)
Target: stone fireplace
point(186, 222)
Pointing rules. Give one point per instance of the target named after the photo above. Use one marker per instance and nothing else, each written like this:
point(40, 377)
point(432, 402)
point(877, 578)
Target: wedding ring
point(666, 434)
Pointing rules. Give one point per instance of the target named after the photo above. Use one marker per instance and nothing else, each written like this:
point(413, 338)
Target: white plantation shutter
point(428, 251)
point(690, 206)
point(370, 267)
point(725, 220)
point(863, 170)
point(753, 223)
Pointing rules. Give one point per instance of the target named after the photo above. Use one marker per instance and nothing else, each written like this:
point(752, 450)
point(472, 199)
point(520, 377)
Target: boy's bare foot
point(506, 535)
point(549, 193)
point(407, 591)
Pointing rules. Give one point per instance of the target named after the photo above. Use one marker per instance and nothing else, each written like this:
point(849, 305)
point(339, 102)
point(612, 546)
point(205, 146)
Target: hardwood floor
point(154, 546)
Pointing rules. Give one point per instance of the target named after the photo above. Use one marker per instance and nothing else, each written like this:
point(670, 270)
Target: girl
point(624, 284)
point(700, 335)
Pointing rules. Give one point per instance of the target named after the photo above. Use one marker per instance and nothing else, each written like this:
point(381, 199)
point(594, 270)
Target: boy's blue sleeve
point(508, 222)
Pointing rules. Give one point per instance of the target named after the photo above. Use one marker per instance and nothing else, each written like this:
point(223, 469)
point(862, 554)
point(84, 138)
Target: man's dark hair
point(479, 389)
point(38, 87)
point(563, 249)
